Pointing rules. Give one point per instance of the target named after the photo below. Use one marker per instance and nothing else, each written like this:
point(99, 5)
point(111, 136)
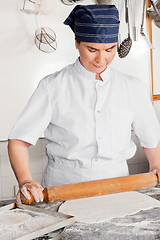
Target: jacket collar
point(105, 75)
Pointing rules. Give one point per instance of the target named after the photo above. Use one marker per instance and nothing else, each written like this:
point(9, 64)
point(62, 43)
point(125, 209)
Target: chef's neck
point(98, 77)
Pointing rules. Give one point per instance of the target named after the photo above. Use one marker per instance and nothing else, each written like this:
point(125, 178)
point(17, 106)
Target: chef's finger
point(18, 198)
point(154, 171)
point(41, 187)
point(157, 173)
point(35, 192)
point(39, 190)
point(25, 193)
point(38, 185)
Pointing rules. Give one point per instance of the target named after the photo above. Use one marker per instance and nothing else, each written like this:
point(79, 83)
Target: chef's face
point(95, 57)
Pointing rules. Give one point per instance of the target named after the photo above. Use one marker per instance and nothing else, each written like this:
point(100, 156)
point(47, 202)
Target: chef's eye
point(91, 50)
point(109, 50)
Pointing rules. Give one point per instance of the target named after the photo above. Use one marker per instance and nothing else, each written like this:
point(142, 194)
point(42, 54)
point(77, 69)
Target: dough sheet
point(103, 208)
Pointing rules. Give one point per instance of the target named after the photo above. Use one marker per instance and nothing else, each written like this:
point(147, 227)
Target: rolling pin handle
point(30, 201)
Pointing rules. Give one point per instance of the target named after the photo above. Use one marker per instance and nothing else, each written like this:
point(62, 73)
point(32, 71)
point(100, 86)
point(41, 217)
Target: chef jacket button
point(96, 159)
point(98, 111)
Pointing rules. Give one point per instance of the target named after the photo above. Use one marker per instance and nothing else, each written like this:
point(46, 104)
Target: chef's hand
point(156, 171)
point(32, 187)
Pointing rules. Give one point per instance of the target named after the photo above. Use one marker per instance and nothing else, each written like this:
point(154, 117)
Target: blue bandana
point(94, 23)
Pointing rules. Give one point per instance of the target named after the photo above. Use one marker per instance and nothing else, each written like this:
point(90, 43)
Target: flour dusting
point(19, 222)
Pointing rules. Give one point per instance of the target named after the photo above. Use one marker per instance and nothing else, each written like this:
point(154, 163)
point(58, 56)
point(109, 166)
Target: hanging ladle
point(142, 28)
point(125, 46)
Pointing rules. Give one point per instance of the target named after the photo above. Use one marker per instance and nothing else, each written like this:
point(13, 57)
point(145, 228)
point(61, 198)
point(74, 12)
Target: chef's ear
point(77, 44)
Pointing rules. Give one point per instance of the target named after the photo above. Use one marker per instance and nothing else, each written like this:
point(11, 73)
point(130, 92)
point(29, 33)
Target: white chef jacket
point(88, 123)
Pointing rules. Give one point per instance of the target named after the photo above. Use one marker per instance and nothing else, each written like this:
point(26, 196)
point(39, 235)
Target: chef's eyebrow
point(98, 49)
point(111, 47)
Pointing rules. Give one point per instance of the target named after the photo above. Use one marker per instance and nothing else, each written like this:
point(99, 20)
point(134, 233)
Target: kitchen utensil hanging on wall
point(39, 6)
point(120, 6)
point(126, 45)
point(135, 13)
point(71, 2)
point(154, 13)
point(142, 28)
point(45, 39)
point(25, 3)
point(105, 2)
point(29, 7)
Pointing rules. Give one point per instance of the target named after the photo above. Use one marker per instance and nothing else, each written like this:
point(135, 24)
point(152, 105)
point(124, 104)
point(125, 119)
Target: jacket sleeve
point(35, 117)
point(146, 125)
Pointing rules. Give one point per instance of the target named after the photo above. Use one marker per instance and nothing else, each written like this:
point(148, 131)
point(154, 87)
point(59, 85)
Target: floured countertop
point(144, 225)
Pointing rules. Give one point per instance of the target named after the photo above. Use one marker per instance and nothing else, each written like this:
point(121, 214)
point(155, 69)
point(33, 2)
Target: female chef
point(87, 112)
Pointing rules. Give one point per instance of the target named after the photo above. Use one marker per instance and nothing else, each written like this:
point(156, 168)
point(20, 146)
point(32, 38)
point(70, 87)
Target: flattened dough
point(102, 208)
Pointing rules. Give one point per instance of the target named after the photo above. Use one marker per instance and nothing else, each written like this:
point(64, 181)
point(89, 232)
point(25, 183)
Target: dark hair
point(78, 41)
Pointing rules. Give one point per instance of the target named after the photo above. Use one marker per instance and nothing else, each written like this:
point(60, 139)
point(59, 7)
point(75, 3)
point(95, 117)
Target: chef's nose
point(100, 57)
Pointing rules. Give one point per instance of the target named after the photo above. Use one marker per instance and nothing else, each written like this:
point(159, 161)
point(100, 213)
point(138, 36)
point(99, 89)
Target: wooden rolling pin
point(96, 188)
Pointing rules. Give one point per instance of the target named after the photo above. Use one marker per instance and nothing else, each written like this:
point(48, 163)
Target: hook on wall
point(39, 6)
